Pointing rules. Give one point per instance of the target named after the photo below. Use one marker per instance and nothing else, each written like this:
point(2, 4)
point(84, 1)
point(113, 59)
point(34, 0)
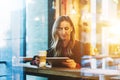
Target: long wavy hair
point(56, 42)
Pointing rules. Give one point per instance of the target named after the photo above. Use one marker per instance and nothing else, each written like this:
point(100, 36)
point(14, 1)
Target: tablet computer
point(56, 61)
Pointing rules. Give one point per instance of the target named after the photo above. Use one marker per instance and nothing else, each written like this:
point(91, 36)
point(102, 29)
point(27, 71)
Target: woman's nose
point(63, 31)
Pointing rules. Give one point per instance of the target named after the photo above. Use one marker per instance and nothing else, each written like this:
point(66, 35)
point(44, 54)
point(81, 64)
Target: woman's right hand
point(70, 63)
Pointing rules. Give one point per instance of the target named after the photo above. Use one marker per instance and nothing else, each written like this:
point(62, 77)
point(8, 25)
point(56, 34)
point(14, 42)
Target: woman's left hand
point(70, 63)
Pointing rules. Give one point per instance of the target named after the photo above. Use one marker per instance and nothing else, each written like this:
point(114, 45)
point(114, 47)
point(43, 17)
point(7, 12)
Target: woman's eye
point(66, 28)
point(59, 28)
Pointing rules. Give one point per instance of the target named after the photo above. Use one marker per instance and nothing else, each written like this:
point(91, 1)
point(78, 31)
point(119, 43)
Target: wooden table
point(67, 73)
point(54, 73)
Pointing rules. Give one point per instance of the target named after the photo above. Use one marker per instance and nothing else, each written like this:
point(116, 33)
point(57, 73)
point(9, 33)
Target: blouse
point(76, 53)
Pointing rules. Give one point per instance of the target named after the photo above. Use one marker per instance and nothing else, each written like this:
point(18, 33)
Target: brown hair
point(56, 43)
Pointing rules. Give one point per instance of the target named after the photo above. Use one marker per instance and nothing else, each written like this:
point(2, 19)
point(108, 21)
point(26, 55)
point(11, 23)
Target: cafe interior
point(25, 29)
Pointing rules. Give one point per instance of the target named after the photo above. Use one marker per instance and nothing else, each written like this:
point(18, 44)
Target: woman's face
point(64, 30)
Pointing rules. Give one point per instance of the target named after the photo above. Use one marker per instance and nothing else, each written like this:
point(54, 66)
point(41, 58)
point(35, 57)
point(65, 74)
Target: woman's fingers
point(70, 63)
point(69, 60)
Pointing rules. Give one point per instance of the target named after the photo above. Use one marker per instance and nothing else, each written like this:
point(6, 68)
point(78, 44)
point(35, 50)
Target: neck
point(65, 43)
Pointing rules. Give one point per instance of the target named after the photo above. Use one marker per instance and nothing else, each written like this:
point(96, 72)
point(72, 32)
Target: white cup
point(93, 63)
point(42, 56)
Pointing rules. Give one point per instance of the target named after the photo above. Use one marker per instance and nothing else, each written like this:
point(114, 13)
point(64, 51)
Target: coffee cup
point(42, 56)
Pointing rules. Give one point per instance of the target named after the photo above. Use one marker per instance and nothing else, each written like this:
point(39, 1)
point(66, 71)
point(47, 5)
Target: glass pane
point(36, 26)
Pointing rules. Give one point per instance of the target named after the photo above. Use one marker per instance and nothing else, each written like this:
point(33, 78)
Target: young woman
point(64, 43)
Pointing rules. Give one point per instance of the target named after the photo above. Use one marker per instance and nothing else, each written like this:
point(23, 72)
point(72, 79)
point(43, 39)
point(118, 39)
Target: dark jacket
point(76, 56)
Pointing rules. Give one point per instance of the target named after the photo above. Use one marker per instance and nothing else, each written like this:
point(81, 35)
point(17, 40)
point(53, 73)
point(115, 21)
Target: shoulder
point(77, 42)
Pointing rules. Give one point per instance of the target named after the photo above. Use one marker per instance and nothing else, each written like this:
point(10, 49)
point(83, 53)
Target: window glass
point(36, 26)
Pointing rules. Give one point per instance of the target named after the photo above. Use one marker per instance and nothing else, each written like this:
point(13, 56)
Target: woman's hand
point(70, 63)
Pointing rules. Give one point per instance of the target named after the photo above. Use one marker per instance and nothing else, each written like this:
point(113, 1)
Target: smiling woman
point(64, 43)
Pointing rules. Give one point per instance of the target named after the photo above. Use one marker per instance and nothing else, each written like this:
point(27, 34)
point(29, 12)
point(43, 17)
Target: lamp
point(53, 4)
point(73, 11)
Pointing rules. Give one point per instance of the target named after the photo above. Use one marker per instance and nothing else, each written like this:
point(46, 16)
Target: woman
point(64, 43)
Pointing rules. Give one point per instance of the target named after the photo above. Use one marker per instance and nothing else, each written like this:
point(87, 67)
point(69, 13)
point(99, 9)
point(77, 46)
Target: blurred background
point(25, 28)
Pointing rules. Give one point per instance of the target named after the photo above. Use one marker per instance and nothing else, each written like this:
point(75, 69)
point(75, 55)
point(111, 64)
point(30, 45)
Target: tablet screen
point(52, 59)
point(56, 61)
